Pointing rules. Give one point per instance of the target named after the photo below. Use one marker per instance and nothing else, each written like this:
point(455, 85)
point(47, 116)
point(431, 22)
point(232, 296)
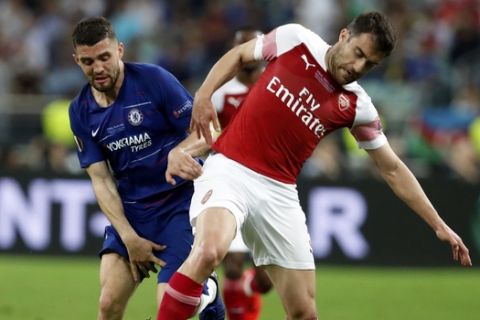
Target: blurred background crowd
point(428, 91)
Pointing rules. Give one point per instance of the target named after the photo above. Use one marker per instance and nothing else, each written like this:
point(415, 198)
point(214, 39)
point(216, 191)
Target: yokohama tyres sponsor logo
point(302, 104)
point(136, 142)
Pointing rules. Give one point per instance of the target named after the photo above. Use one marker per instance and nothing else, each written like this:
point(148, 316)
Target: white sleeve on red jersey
point(284, 38)
point(367, 127)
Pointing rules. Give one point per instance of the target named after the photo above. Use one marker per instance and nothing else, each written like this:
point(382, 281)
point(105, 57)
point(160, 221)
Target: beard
point(347, 76)
point(101, 88)
point(342, 74)
point(108, 85)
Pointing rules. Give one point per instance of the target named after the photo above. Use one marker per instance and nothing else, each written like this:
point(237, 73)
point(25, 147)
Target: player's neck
point(106, 98)
point(328, 58)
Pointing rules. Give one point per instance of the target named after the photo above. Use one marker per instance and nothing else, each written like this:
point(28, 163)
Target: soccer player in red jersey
point(241, 289)
point(307, 90)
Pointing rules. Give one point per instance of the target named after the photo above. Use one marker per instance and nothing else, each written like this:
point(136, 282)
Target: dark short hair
point(92, 30)
point(247, 28)
point(379, 26)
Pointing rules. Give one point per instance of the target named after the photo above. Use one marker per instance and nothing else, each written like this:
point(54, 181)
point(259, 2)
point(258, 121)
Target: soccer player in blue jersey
point(125, 121)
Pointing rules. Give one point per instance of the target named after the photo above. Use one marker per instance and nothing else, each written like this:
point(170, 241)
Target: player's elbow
point(389, 174)
point(389, 169)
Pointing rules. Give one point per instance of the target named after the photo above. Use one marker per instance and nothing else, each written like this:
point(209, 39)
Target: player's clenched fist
point(183, 165)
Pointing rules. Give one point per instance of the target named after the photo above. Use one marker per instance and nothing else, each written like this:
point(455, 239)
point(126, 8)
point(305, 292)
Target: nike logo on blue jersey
point(94, 132)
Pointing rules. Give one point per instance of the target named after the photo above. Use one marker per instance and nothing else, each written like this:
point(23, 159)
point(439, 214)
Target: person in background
point(242, 289)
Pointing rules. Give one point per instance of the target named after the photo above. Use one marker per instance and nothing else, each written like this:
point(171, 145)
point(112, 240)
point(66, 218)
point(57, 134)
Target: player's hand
point(142, 258)
point(459, 250)
point(202, 114)
point(183, 165)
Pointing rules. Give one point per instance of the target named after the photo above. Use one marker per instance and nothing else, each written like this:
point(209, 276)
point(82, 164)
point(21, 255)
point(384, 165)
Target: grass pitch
point(49, 288)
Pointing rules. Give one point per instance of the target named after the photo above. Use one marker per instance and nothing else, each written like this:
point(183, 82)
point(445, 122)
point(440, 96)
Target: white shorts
point(268, 212)
point(238, 245)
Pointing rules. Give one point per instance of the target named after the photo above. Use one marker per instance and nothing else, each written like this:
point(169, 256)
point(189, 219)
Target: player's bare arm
point(406, 187)
point(140, 250)
point(181, 160)
point(225, 69)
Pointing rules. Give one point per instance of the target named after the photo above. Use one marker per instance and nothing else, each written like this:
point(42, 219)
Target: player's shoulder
point(150, 75)
point(364, 105)
point(356, 89)
point(144, 69)
point(296, 28)
point(291, 35)
point(80, 99)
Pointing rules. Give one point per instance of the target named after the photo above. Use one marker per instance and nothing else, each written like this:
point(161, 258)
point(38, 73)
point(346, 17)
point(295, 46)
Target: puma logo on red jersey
point(234, 101)
point(307, 64)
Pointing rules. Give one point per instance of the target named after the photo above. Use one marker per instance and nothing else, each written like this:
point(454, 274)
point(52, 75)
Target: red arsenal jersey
point(227, 100)
point(293, 105)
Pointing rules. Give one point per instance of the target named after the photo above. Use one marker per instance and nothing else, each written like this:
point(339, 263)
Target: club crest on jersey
point(343, 102)
point(187, 105)
point(207, 196)
point(135, 117)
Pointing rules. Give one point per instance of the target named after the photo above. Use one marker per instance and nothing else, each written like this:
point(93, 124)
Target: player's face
point(100, 63)
point(353, 56)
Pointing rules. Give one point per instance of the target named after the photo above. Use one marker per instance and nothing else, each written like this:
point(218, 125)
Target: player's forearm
point(407, 188)
point(225, 69)
point(195, 146)
point(111, 204)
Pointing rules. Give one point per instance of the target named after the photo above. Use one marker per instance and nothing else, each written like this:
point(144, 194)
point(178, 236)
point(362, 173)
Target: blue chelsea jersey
point(134, 134)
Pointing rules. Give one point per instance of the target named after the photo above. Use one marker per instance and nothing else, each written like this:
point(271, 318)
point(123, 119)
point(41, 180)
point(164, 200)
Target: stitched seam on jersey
point(137, 105)
point(155, 152)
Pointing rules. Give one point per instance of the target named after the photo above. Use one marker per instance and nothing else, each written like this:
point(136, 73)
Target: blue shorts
point(172, 229)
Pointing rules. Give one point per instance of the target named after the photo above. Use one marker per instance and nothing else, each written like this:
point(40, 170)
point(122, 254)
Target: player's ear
point(121, 50)
point(75, 58)
point(344, 34)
